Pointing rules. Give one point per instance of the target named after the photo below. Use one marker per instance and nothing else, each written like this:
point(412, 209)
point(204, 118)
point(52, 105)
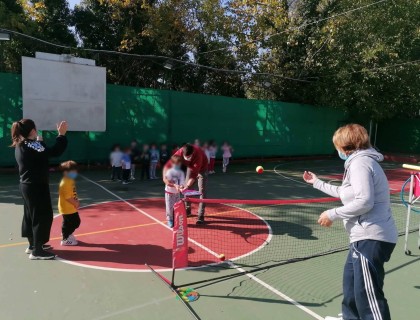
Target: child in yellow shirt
point(68, 203)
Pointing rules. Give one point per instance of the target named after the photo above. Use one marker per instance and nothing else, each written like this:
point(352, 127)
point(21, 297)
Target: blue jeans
point(152, 170)
point(363, 281)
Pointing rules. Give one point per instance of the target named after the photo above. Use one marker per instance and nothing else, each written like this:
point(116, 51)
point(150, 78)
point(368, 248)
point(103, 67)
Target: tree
point(349, 58)
point(52, 19)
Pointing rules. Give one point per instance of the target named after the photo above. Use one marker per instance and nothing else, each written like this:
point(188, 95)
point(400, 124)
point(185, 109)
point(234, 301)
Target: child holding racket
point(174, 178)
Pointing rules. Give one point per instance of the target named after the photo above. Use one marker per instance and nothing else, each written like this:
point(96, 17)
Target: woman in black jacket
point(32, 158)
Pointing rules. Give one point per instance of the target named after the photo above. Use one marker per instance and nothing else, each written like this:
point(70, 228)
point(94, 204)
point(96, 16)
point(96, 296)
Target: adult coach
point(32, 158)
point(194, 158)
point(367, 217)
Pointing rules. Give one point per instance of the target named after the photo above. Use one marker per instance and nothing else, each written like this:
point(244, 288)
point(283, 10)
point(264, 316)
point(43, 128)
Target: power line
point(293, 28)
point(148, 56)
point(365, 70)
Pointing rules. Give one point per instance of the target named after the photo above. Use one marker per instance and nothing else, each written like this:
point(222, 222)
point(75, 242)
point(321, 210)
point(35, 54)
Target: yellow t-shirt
point(67, 190)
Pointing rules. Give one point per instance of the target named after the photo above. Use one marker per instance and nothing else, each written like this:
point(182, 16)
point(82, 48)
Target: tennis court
point(123, 229)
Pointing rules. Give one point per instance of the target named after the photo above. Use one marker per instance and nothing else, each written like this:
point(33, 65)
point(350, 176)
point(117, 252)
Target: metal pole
point(376, 134)
point(173, 278)
point(186, 304)
point(407, 225)
point(370, 130)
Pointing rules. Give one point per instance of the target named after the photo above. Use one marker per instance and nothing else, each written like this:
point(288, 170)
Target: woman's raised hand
point(62, 128)
point(309, 177)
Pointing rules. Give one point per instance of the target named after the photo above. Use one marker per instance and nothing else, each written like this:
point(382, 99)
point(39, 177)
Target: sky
point(73, 2)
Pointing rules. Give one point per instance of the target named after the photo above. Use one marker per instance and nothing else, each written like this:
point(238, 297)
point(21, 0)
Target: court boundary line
point(148, 215)
point(71, 262)
point(276, 171)
point(266, 241)
point(127, 201)
point(252, 277)
point(277, 292)
point(287, 178)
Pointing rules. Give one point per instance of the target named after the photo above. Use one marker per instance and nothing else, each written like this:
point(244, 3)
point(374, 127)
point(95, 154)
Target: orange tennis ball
point(222, 257)
point(259, 169)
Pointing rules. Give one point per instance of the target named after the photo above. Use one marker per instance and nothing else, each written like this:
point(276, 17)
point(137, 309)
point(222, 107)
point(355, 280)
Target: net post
point(174, 290)
point(173, 279)
point(179, 240)
point(407, 225)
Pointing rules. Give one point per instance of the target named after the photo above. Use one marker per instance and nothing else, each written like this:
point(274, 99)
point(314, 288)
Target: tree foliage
point(362, 60)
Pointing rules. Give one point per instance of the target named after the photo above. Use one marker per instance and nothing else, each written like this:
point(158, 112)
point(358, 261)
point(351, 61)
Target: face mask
point(72, 175)
point(343, 156)
point(187, 158)
point(177, 167)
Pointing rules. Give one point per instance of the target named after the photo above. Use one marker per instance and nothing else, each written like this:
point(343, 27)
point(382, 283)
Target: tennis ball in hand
point(259, 169)
point(222, 257)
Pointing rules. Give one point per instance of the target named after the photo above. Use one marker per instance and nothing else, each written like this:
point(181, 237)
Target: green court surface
point(308, 289)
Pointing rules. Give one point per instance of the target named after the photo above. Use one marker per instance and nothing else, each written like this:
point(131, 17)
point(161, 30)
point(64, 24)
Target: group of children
point(210, 149)
point(123, 162)
point(149, 158)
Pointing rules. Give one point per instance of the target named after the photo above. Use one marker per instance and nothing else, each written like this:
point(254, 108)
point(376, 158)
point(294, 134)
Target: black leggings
point(70, 223)
point(38, 213)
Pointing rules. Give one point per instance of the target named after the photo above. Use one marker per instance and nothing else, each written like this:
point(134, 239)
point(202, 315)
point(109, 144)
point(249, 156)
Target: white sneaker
point(72, 237)
point(340, 317)
point(69, 242)
point(29, 249)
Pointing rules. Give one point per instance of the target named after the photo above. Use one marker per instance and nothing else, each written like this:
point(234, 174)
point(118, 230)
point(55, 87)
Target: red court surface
point(117, 236)
point(396, 178)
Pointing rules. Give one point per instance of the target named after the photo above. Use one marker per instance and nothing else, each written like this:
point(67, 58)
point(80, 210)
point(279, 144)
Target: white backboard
point(55, 91)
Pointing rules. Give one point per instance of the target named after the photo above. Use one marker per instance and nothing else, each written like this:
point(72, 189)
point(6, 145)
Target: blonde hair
point(351, 137)
point(68, 166)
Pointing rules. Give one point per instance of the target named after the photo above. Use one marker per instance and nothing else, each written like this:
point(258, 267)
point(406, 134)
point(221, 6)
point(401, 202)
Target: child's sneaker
point(170, 224)
point(125, 182)
point(43, 255)
point(29, 249)
point(69, 242)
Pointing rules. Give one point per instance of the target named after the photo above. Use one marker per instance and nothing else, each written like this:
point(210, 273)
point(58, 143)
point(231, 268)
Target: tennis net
point(261, 234)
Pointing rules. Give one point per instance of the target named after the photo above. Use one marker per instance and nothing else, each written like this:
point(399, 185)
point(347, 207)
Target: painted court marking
point(278, 293)
point(123, 244)
point(123, 240)
point(252, 277)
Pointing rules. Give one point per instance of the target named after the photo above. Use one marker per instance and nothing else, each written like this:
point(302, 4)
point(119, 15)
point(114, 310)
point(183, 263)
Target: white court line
point(278, 293)
point(252, 277)
point(149, 216)
point(291, 179)
point(156, 302)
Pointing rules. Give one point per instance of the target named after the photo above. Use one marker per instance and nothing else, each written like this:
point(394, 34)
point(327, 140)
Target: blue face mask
point(343, 156)
point(177, 167)
point(72, 175)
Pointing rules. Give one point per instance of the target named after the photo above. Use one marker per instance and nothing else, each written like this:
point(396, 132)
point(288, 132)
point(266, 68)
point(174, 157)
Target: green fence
point(255, 128)
point(399, 136)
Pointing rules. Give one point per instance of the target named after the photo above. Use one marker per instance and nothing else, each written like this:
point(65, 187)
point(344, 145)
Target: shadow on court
point(119, 255)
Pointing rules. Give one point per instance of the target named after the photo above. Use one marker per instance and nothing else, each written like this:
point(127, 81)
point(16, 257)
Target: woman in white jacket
point(367, 217)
